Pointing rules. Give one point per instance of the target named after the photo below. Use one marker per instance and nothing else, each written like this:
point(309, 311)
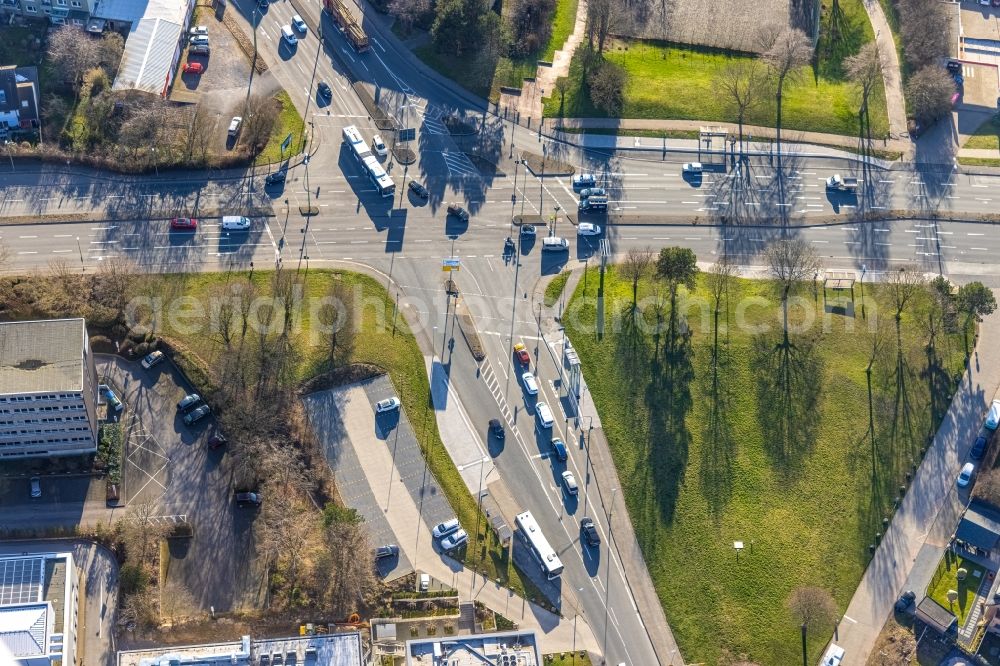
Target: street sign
point(408, 134)
point(286, 143)
point(451, 264)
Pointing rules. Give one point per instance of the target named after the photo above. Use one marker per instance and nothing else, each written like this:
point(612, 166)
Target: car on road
point(559, 449)
point(153, 358)
point(530, 385)
point(979, 447)
point(288, 35)
point(453, 541)
point(298, 23)
point(276, 178)
point(188, 402)
point(234, 125)
point(582, 180)
point(588, 229)
point(569, 483)
point(387, 405)
point(378, 145)
point(418, 189)
point(445, 528)
point(905, 600)
point(528, 230)
point(193, 68)
point(386, 551)
point(954, 66)
point(184, 224)
point(522, 354)
point(554, 244)
point(589, 531)
point(199, 39)
point(993, 417)
point(217, 441)
point(249, 498)
point(36, 487)
point(458, 211)
point(197, 414)
point(496, 429)
point(544, 415)
point(965, 476)
point(593, 192)
point(692, 167)
point(198, 30)
point(324, 90)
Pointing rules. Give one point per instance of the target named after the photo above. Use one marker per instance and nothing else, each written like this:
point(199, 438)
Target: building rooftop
point(41, 356)
point(174, 11)
point(32, 601)
point(513, 648)
point(980, 526)
point(149, 56)
point(322, 650)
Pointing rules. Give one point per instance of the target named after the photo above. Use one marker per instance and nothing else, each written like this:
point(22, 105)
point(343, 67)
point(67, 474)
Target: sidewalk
point(919, 532)
point(890, 69)
point(413, 535)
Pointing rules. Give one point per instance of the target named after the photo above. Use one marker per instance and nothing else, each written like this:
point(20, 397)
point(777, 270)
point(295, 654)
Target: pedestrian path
point(891, 77)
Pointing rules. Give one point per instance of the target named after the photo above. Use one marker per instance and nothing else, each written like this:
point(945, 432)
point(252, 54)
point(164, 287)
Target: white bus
point(546, 556)
point(368, 162)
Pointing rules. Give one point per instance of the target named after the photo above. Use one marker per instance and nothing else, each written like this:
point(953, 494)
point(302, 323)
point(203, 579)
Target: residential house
point(978, 531)
point(19, 108)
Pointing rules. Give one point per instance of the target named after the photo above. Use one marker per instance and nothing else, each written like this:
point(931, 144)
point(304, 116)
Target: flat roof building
point(48, 389)
point(341, 649)
point(38, 609)
point(507, 648)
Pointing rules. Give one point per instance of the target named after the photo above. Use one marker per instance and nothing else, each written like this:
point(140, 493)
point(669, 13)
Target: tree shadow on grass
point(788, 390)
point(718, 439)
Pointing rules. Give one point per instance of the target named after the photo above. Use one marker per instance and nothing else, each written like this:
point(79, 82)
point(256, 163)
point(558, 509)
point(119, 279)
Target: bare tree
point(141, 608)
point(409, 12)
point(607, 87)
point(902, 285)
point(72, 52)
point(790, 263)
point(742, 81)
point(142, 532)
point(811, 606)
point(139, 131)
point(259, 117)
point(176, 601)
point(718, 278)
point(637, 264)
point(350, 564)
point(342, 323)
point(929, 93)
point(109, 51)
point(924, 31)
point(864, 68)
point(600, 19)
point(116, 279)
point(786, 51)
point(199, 134)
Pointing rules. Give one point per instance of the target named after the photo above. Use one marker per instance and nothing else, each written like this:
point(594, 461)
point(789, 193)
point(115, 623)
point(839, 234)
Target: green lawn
point(554, 289)
point(945, 578)
point(987, 136)
point(383, 340)
point(567, 659)
point(289, 122)
point(775, 452)
point(562, 27)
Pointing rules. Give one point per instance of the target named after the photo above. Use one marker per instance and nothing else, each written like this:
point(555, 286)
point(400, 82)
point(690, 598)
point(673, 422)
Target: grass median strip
point(554, 289)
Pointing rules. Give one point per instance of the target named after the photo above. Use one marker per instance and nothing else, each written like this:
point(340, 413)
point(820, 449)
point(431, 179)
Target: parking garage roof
point(41, 356)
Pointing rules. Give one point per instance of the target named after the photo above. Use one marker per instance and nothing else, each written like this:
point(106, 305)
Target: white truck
point(841, 183)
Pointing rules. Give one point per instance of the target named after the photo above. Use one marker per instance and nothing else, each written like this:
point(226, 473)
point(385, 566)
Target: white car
point(152, 359)
point(199, 39)
point(453, 541)
point(199, 30)
point(544, 415)
point(387, 405)
point(530, 385)
point(298, 23)
point(588, 229)
point(692, 167)
point(288, 35)
point(445, 528)
point(965, 476)
point(378, 145)
point(569, 482)
point(36, 487)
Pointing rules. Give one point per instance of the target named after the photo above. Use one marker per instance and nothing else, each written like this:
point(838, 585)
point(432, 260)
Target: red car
point(193, 68)
point(184, 223)
point(522, 354)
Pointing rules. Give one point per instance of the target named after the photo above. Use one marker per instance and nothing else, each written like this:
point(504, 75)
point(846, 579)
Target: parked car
point(528, 230)
point(193, 68)
point(993, 416)
point(36, 487)
point(530, 385)
point(445, 528)
point(324, 90)
point(217, 441)
point(569, 483)
point(453, 541)
point(582, 180)
point(184, 224)
point(592, 192)
point(979, 448)
point(198, 30)
point(692, 167)
point(153, 358)
point(588, 229)
point(114, 404)
point(298, 23)
point(522, 354)
point(276, 178)
point(249, 498)
point(458, 211)
point(387, 405)
point(905, 600)
point(378, 145)
point(559, 449)
point(590, 535)
point(188, 402)
point(965, 476)
point(200, 49)
point(496, 429)
point(197, 414)
point(199, 39)
point(234, 125)
point(418, 189)
point(386, 551)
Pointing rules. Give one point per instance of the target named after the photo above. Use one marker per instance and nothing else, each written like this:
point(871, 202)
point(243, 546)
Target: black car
point(418, 189)
point(389, 550)
point(324, 90)
point(979, 448)
point(196, 415)
point(528, 230)
point(904, 601)
point(276, 177)
point(590, 535)
point(496, 429)
point(954, 66)
point(559, 449)
point(216, 441)
point(249, 498)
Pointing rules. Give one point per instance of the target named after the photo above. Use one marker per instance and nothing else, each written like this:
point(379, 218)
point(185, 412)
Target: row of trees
point(924, 30)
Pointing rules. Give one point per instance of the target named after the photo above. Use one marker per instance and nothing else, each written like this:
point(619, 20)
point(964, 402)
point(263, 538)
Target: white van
point(555, 244)
point(235, 223)
point(544, 415)
point(993, 417)
point(288, 35)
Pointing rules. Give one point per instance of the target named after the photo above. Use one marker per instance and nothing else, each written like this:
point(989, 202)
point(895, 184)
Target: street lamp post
point(555, 219)
point(83, 267)
point(253, 65)
point(10, 155)
point(864, 269)
point(541, 180)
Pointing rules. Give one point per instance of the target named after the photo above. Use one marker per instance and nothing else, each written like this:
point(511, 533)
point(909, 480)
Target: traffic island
point(404, 155)
point(546, 166)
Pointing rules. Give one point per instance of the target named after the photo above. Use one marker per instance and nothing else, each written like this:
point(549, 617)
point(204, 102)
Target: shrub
point(133, 579)
point(607, 87)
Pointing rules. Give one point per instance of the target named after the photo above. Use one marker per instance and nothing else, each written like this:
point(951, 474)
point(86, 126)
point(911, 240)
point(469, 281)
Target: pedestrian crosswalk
point(459, 164)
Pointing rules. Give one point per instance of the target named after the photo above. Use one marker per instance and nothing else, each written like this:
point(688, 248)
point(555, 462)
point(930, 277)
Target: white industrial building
point(505, 648)
point(340, 649)
point(48, 389)
point(39, 610)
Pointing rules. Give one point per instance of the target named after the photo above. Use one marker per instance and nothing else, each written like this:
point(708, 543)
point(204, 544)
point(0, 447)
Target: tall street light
point(83, 267)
